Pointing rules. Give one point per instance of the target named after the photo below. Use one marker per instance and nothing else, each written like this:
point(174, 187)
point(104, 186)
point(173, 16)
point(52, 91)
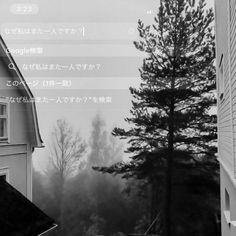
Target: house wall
point(228, 229)
point(232, 12)
point(225, 135)
point(226, 47)
point(16, 163)
point(16, 153)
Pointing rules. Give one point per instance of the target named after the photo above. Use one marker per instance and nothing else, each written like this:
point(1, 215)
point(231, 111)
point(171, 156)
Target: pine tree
point(172, 139)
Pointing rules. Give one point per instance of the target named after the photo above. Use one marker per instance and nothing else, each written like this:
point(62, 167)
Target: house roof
point(17, 75)
point(19, 216)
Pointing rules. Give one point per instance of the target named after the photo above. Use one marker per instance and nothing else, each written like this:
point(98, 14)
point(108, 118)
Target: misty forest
point(160, 176)
point(83, 201)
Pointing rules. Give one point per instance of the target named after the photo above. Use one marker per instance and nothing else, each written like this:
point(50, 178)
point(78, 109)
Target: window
point(3, 177)
point(227, 207)
point(221, 77)
point(227, 201)
point(4, 174)
point(4, 117)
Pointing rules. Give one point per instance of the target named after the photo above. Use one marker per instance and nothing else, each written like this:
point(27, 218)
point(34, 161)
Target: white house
point(225, 12)
point(19, 136)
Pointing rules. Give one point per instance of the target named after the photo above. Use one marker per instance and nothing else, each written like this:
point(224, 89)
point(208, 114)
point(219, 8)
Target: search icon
point(11, 66)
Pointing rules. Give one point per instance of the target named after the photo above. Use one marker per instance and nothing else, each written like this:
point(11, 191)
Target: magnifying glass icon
point(11, 66)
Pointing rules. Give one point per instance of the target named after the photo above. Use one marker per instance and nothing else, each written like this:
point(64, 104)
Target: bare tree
point(66, 151)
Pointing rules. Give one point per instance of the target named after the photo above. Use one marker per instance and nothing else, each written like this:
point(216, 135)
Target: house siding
point(17, 166)
point(226, 183)
point(225, 104)
point(232, 25)
point(226, 46)
point(16, 153)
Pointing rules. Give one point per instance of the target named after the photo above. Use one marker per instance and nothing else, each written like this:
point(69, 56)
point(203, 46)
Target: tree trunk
point(169, 167)
point(154, 210)
point(61, 206)
point(169, 184)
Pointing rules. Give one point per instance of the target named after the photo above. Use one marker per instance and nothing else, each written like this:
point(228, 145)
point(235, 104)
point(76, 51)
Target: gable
point(21, 98)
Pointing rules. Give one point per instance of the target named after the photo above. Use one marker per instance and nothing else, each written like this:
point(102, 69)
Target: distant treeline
point(83, 201)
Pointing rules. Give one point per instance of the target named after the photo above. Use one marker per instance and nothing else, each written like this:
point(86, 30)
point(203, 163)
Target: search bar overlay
point(72, 31)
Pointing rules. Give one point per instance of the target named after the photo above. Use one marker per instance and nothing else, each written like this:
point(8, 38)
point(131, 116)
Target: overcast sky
point(72, 34)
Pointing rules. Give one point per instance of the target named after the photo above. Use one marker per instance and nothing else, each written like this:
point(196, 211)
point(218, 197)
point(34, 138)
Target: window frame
point(4, 171)
point(227, 206)
point(6, 138)
point(221, 78)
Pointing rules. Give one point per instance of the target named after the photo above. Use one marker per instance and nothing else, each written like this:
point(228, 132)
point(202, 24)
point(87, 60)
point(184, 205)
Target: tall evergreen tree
point(173, 131)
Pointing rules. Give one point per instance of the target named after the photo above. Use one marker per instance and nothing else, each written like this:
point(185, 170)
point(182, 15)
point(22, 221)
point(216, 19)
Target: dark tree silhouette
point(173, 132)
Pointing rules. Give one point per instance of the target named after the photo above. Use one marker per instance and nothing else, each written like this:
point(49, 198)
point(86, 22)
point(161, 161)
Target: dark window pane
point(3, 177)
point(3, 127)
point(3, 109)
